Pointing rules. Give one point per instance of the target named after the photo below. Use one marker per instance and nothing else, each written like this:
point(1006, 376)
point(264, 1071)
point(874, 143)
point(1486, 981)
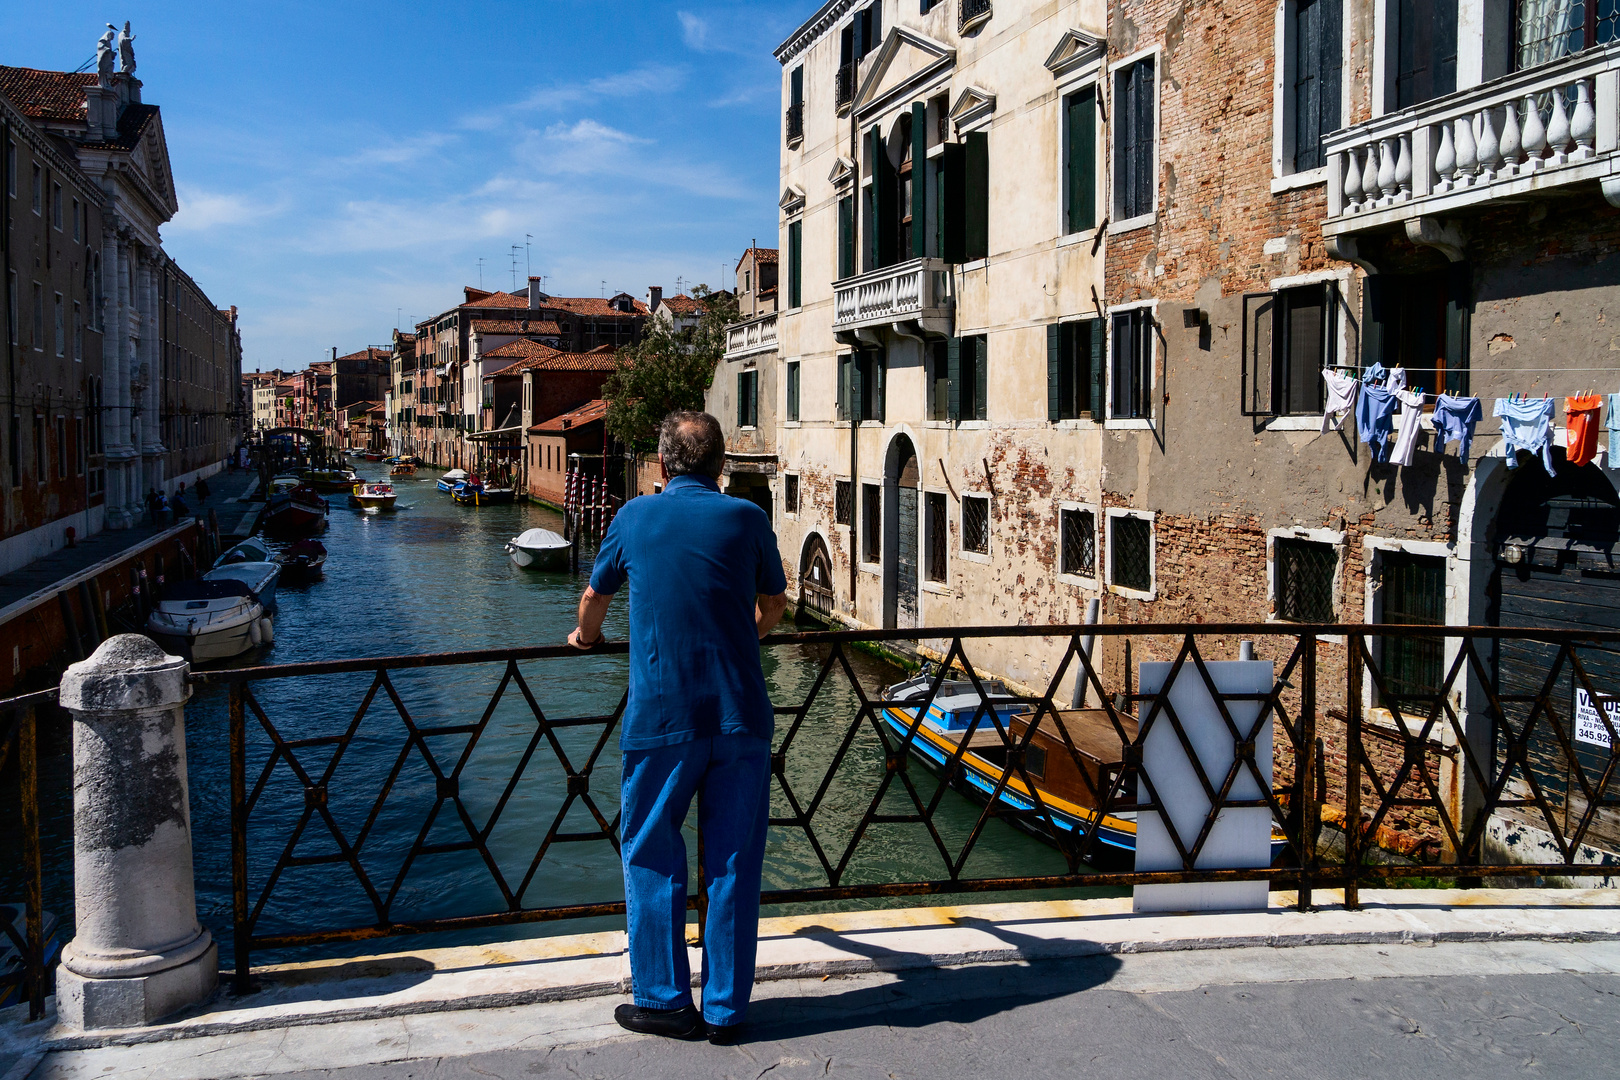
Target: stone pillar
point(139, 953)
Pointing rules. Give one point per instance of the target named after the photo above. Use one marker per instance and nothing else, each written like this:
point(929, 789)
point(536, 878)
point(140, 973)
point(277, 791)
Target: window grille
point(790, 493)
point(845, 84)
point(976, 524)
point(938, 535)
point(871, 522)
point(1305, 570)
point(972, 10)
point(1131, 552)
point(1413, 588)
point(1079, 542)
point(843, 502)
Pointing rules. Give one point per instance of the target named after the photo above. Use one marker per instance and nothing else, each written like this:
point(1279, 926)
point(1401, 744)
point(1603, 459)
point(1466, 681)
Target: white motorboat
point(539, 549)
point(449, 480)
point(261, 577)
point(250, 550)
point(206, 620)
point(373, 497)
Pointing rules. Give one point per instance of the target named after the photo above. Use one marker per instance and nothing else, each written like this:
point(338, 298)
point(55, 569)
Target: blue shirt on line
point(696, 560)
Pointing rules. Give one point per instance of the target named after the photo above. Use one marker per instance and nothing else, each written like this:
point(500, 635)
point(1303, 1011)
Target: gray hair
point(691, 442)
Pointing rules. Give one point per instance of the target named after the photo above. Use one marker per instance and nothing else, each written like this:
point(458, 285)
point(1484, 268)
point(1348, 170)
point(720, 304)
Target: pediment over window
point(792, 200)
point(907, 65)
point(843, 171)
point(1075, 50)
point(973, 109)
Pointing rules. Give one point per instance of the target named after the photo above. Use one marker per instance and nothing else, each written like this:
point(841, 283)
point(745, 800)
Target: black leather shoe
point(674, 1023)
point(724, 1036)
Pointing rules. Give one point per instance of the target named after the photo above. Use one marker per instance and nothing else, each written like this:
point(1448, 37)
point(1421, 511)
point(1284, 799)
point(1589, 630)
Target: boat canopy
point(205, 589)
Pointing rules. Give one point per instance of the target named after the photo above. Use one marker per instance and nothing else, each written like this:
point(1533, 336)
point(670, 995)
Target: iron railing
point(1509, 740)
point(19, 741)
point(973, 11)
point(795, 122)
point(845, 84)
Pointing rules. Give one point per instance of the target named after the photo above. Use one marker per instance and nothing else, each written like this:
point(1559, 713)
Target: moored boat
point(473, 493)
point(303, 561)
point(293, 508)
point(449, 480)
point(402, 468)
point(206, 620)
point(539, 549)
point(372, 497)
point(372, 455)
point(330, 481)
point(250, 550)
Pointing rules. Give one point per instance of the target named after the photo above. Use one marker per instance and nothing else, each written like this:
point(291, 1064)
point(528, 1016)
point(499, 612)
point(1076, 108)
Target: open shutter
point(1054, 372)
point(1459, 299)
point(919, 179)
point(1082, 150)
point(1098, 350)
point(1378, 314)
point(880, 364)
point(795, 264)
point(953, 203)
point(886, 212)
point(1259, 353)
point(857, 386)
point(874, 152)
point(843, 386)
point(976, 227)
point(980, 382)
point(797, 86)
point(742, 399)
point(846, 236)
point(953, 369)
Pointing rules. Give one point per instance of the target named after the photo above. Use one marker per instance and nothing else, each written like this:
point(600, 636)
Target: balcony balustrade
point(1551, 126)
point(912, 298)
point(751, 337)
point(973, 13)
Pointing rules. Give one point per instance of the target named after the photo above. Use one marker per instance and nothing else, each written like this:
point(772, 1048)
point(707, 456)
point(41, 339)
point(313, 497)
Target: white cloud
point(694, 31)
point(202, 210)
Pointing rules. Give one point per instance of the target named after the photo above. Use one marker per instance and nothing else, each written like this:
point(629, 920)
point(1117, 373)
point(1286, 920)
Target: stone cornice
point(817, 25)
point(41, 146)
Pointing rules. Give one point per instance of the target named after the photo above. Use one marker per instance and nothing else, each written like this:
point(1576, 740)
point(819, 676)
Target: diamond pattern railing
point(851, 766)
point(28, 972)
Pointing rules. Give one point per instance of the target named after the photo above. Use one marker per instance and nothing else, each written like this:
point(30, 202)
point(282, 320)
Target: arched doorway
point(901, 479)
point(815, 578)
point(1557, 566)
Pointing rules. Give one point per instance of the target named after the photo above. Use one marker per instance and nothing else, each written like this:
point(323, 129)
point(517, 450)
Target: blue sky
point(341, 165)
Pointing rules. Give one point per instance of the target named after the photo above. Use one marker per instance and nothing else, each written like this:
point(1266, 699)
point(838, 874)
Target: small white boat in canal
point(449, 480)
point(221, 615)
point(539, 549)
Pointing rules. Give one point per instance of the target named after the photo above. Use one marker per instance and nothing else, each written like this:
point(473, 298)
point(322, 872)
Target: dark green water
point(432, 577)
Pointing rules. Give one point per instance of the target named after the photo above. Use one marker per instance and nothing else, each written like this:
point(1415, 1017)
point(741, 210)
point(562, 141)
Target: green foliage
point(667, 370)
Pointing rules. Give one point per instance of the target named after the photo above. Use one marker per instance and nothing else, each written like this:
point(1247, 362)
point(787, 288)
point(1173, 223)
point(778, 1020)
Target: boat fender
point(254, 637)
point(267, 631)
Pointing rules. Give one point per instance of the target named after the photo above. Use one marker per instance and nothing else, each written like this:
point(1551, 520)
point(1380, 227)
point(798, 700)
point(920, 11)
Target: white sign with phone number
point(1588, 726)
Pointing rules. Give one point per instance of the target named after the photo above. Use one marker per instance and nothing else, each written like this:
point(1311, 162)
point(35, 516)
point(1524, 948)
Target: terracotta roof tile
point(684, 305)
point(594, 306)
point(370, 352)
point(46, 95)
point(513, 326)
point(761, 255)
point(588, 413)
point(533, 356)
point(495, 300)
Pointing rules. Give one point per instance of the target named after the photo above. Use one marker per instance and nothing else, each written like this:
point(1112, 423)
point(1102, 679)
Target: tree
point(666, 371)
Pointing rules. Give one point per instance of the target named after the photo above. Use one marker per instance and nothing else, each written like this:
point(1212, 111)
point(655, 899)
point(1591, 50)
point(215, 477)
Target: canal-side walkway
point(1027, 989)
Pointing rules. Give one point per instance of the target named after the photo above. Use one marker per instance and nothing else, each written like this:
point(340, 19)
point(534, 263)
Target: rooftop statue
point(104, 56)
point(126, 50)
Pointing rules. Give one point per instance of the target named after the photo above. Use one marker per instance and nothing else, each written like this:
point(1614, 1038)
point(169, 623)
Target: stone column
point(139, 953)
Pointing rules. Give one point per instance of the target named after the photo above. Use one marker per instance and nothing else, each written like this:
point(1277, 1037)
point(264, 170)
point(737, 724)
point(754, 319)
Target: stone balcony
point(757, 335)
point(912, 299)
point(1512, 138)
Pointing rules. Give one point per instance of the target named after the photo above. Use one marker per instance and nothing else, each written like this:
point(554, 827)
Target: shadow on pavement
point(925, 994)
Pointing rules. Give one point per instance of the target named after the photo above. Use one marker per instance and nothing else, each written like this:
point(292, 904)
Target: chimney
point(655, 297)
point(534, 290)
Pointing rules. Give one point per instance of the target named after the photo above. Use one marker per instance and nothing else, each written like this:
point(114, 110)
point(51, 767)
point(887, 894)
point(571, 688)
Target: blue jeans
point(734, 774)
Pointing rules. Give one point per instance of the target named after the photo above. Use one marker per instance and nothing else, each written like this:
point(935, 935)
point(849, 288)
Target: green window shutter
point(843, 386)
point(886, 212)
point(976, 193)
point(846, 237)
point(953, 203)
point(857, 388)
point(1054, 373)
point(981, 356)
point(880, 362)
point(1082, 130)
point(874, 152)
point(742, 399)
point(953, 368)
point(795, 263)
point(919, 179)
point(1098, 376)
point(753, 399)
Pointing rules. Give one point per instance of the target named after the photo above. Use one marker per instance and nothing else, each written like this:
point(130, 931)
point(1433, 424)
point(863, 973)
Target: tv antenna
point(480, 273)
point(528, 269)
point(514, 267)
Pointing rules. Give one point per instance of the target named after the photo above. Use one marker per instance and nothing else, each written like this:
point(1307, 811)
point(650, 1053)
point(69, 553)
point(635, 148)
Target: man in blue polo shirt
point(706, 585)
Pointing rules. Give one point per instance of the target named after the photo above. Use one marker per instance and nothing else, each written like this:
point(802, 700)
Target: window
point(1289, 336)
point(1543, 32)
point(846, 237)
point(861, 385)
point(793, 390)
point(976, 524)
point(1425, 44)
point(1078, 542)
point(39, 317)
point(1413, 593)
point(16, 450)
point(78, 332)
point(56, 206)
point(747, 399)
point(11, 169)
point(966, 377)
point(1421, 322)
point(843, 502)
point(11, 306)
point(938, 380)
point(61, 327)
point(795, 112)
point(1074, 369)
point(1304, 572)
point(795, 246)
point(1080, 160)
point(61, 448)
point(39, 448)
point(39, 190)
point(1131, 373)
point(1135, 179)
point(871, 522)
point(78, 222)
point(976, 194)
point(938, 535)
point(790, 493)
point(1315, 42)
point(1130, 552)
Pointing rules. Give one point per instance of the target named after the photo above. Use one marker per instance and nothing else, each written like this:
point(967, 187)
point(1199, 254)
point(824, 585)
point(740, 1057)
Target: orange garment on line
point(1581, 418)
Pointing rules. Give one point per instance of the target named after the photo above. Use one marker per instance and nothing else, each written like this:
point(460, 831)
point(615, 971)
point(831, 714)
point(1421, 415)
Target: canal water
point(433, 577)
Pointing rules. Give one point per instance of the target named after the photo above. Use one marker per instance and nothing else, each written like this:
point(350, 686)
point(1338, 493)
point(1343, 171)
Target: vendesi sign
point(1588, 725)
